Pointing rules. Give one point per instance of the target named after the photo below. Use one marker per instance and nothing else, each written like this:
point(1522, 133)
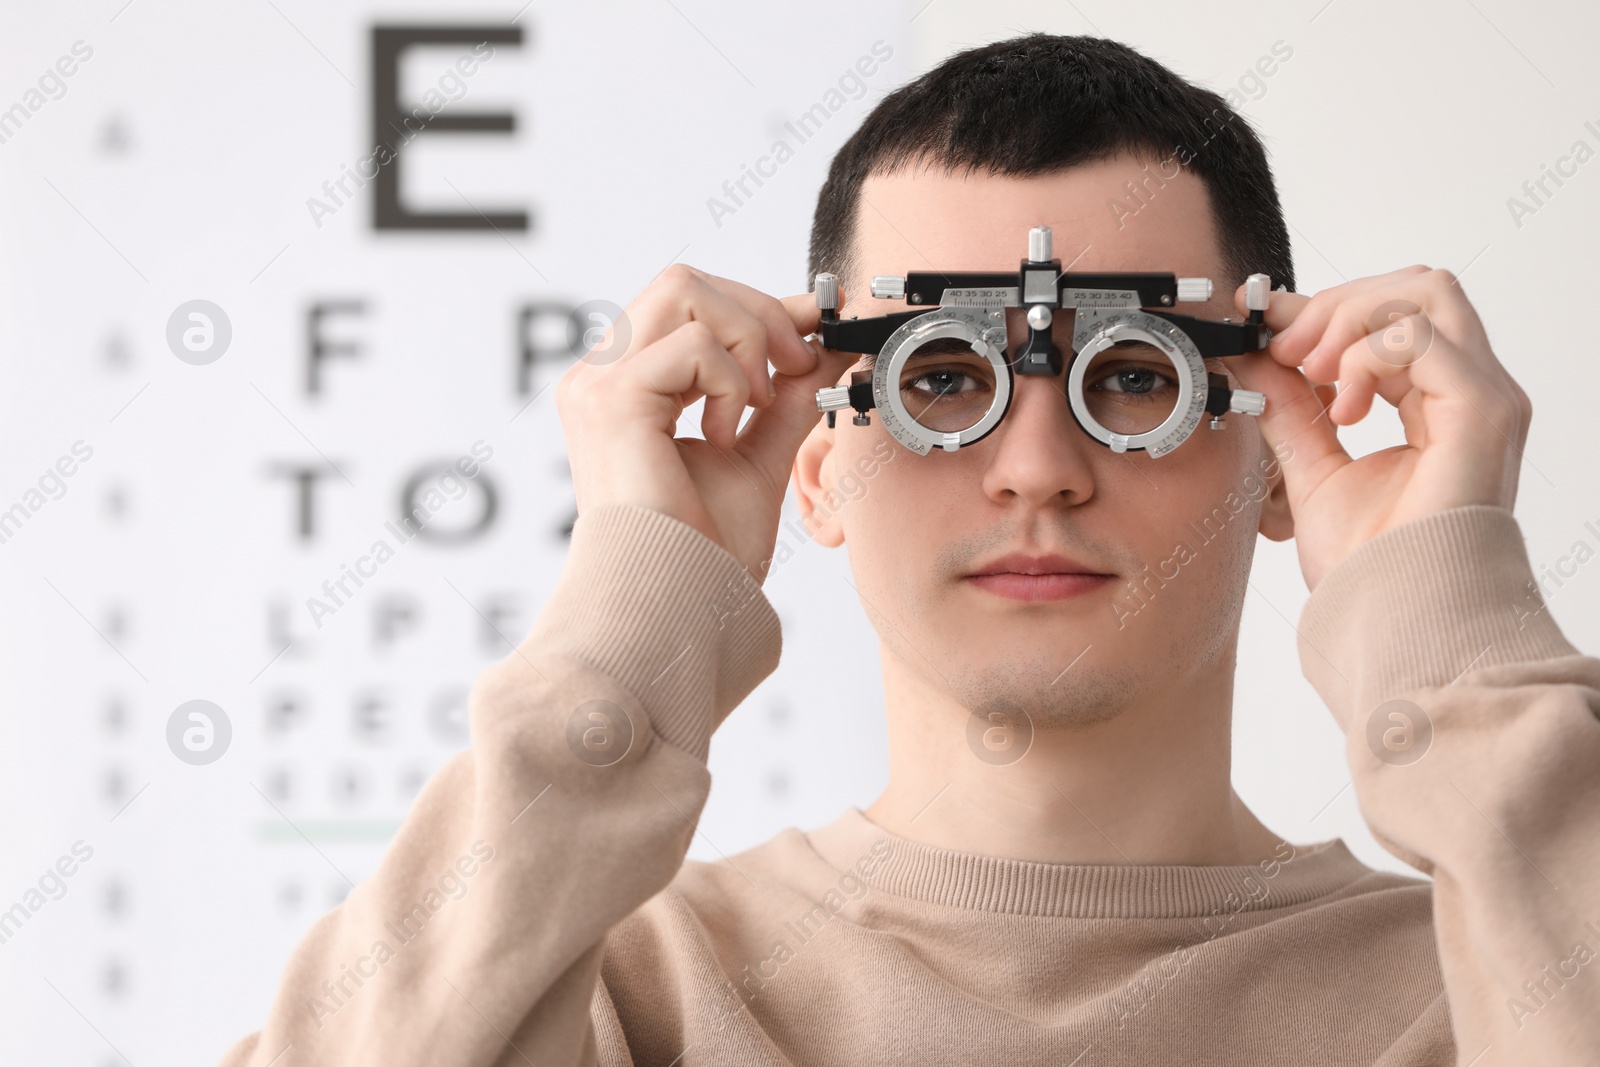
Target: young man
point(1105, 897)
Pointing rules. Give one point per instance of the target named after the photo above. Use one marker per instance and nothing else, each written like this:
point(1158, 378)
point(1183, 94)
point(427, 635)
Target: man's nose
point(1040, 454)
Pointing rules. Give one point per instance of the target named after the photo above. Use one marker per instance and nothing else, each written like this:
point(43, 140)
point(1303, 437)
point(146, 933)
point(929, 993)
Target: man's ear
point(813, 484)
point(1277, 522)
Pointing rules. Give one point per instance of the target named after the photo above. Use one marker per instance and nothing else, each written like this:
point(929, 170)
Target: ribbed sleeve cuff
point(667, 613)
point(1421, 604)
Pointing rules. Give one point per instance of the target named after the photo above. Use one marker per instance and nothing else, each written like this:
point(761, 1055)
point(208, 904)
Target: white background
point(177, 166)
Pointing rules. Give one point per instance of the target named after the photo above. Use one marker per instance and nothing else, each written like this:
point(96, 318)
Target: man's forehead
point(1121, 214)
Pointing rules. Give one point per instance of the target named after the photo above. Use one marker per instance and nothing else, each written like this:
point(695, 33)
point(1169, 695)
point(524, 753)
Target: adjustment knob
point(1256, 288)
point(888, 287)
point(833, 398)
point(1039, 242)
point(1247, 402)
point(827, 289)
point(1194, 290)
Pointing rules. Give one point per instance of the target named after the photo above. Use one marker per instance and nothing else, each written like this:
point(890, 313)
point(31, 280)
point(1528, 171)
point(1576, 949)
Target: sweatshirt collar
point(906, 868)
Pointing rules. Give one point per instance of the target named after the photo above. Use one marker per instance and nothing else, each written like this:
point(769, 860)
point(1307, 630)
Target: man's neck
point(1150, 786)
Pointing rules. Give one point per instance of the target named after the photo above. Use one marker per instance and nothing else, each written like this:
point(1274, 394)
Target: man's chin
point(1042, 691)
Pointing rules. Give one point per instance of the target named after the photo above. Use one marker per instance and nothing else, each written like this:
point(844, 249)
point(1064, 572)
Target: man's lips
point(1019, 563)
point(1035, 578)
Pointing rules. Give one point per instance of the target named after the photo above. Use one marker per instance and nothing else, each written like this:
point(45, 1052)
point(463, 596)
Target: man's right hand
point(696, 335)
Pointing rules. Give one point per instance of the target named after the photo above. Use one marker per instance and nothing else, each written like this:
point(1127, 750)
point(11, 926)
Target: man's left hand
point(1412, 338)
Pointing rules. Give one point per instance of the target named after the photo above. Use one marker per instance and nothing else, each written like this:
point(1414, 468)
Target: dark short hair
point(1041, 103)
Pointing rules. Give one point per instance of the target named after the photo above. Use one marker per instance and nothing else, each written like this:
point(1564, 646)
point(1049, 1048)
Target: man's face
point(1174, 534)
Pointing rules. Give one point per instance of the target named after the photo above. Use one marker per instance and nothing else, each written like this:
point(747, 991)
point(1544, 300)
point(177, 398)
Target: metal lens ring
point(1096, 330)
point(984, 330)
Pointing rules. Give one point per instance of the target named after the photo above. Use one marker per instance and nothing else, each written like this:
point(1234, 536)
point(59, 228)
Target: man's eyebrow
point(943, 346)
point(939, 346)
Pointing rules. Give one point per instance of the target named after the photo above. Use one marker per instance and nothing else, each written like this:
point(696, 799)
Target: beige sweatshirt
point(536, 907)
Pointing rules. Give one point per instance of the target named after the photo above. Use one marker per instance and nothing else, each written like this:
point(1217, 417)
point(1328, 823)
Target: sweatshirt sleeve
point(1472, 731)
point(479, 939)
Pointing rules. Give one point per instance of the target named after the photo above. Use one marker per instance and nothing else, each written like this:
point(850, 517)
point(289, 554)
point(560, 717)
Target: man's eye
point(1132, 380)
point(943, 382)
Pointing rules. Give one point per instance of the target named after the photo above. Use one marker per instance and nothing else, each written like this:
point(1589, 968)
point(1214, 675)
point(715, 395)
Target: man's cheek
point(1170, 567)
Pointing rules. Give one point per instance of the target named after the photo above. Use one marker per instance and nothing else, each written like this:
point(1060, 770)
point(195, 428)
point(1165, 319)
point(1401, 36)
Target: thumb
point(802, 311)
point(1294, 422)
point(772, 436)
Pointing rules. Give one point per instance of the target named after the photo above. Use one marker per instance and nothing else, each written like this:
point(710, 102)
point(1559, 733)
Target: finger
point(1386, 334)
point(787, 321)
point(804, 313)
point(1466, 421)
point(1343, 306)
point(1390, 336)
point(1378, 364)
point(1294, 422)
point(683, 294)
point(1458, 397)
point(688, 363)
